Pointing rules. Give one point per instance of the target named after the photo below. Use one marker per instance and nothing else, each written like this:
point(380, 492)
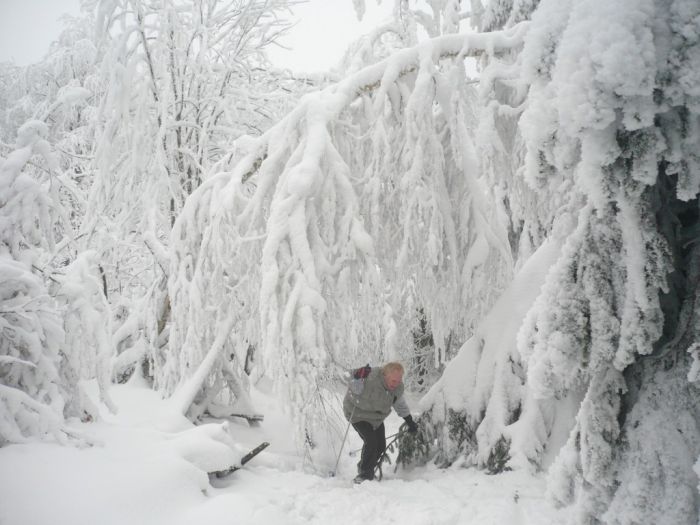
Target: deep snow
point(148, 464)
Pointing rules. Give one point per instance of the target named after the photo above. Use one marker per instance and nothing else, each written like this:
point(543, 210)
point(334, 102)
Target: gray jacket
point(370, 400)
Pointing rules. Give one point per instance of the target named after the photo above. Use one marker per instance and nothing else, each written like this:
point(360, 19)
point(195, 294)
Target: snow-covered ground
point(148, 466)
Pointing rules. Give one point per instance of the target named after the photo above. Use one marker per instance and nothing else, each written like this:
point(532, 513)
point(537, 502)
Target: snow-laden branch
point(361, 208)
point(8, 359)
point(184, 396)
point(24, 418)
point(458, 46)
point(385, 72)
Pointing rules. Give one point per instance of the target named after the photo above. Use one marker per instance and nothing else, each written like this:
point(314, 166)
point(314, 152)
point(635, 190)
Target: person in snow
point(371, 394)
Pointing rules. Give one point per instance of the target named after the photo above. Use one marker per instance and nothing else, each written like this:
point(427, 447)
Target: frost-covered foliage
point(362, 205)
point(402, 30)
point(182, 81)
point(59, 91)
point(656, 481)
point(493, 402)
point(50, 164)
point(135, 118)
point(594, 127)
point(481, 399)
point(54, 90)
point(31, 397)
point(611, 116)
point(87, 349)
point(576, 345)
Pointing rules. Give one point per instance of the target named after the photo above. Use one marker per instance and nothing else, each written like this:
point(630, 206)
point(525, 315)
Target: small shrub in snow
point(499, 456)
point(417, 448)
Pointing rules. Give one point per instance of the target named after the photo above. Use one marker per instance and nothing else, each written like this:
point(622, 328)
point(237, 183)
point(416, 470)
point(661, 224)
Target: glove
point(361, 373)
point(411, 425)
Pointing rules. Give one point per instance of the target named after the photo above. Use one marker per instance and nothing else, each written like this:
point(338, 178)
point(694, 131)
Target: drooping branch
point(185, 395)
point(371, 78)
point(294, 211)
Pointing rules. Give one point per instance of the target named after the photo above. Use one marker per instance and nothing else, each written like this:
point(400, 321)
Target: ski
point(245, 459)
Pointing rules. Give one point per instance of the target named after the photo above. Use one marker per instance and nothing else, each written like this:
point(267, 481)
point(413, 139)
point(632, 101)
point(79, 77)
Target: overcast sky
point(27, 27)
point(323, 31)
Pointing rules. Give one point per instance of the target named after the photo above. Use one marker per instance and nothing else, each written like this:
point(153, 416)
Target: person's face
point(393, 379)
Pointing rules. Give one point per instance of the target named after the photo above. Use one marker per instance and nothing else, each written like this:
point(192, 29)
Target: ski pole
point(335, 469)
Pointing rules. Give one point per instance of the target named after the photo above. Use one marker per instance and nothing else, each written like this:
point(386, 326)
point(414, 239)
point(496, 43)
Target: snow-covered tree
point(61, 90)
point(182, 81)
point(87, 350)
point(624, 118)
point(361, 205)
point(136, 116)
point(31, 395)
point(589, 136)
point(55, 147)
point(603, 132)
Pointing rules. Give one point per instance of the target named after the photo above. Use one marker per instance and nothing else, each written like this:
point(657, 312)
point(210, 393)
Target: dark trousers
point(374, 444)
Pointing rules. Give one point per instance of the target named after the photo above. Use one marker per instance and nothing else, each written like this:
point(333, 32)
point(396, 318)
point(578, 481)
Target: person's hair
point(392, 366)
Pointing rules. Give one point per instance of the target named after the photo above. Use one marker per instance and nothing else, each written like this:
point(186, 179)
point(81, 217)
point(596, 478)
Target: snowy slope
point(148, 467)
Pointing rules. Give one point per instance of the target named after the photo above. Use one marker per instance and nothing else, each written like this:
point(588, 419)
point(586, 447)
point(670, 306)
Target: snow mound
point(208, 447)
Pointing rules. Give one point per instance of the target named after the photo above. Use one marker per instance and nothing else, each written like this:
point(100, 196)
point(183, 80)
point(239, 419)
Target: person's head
point(393, 374)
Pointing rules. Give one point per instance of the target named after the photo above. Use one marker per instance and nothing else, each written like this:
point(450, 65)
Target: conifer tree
point(31, 395)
